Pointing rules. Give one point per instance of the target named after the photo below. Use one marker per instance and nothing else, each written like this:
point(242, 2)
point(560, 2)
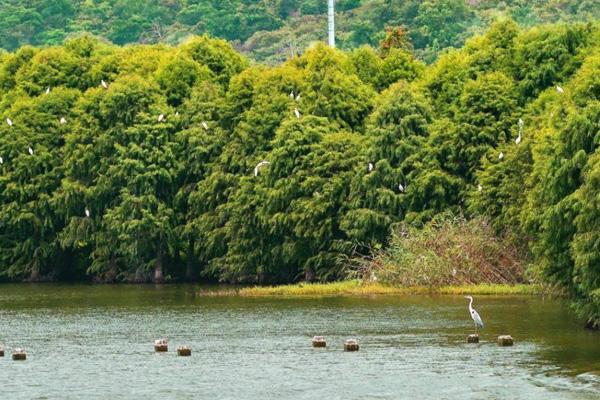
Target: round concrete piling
point(473, 338)
point(505, 340)
point(319, 341)
point(184, 351)
point(161, 345)
point(351, 345)
point(19, 355)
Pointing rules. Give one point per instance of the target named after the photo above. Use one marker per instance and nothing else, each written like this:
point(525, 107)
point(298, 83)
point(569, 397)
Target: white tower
point(331, 22)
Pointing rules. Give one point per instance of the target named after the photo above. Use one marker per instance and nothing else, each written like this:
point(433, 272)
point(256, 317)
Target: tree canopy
point(158, 162)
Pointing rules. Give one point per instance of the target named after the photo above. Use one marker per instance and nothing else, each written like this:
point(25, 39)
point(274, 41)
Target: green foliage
point(162, 157)
point(271, 30)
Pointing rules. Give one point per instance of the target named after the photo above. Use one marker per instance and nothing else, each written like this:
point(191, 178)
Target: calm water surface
point(95, 342)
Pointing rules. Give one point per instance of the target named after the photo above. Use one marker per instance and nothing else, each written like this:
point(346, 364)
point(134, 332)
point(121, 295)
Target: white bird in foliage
point(518, 139)
point(559, 89)
point(401, 188)
point(9, 122)
point(474, 314)
point(48, 90)
point(292, 94)
point(63, 120)
point(297, 113)
point(500, 156)
point(1, 160)
point(161, 118)
point(87, 212)
point(371, 167)
point(205, 125)
point(104, 84)
point(479, 188)
point(30, 151)
point(298, 98)
point(259, 166)
point(177, 113)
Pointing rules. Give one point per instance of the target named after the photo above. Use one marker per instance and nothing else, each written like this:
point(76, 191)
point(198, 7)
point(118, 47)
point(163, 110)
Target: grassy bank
point(357, 288)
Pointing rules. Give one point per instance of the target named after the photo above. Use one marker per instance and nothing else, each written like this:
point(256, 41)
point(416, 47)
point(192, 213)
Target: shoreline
point(358, 288)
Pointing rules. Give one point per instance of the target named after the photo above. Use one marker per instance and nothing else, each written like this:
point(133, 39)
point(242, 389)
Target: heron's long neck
point(471, 304)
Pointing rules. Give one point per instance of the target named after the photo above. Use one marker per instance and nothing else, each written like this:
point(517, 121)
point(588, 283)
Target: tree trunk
point(158, 269)
point(190, 271)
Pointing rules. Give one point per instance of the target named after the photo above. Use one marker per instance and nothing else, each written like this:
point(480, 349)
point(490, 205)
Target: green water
point(95, 342)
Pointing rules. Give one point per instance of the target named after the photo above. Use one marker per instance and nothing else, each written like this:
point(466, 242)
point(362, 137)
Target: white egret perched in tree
point(298, 98)
point(161, 118)
point(371, 167)
point(474, 314)
point(500, 156)
point(259, 166)
point(479, 188)
point(292, 94)
point(30, 151)
point(48, 90)
point(87, 212)
point(297, 113)
point(104, 84)
point(63, 120)
point(1, 160)
point(204, 125)
point(559, 89)
point(9, 122)
point(520, 137)
point(401, 188)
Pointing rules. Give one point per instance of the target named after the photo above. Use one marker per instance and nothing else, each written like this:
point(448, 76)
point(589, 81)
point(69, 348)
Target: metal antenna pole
point(331, 22)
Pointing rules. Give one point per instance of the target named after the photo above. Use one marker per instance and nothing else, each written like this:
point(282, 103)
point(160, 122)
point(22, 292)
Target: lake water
point(96, 342)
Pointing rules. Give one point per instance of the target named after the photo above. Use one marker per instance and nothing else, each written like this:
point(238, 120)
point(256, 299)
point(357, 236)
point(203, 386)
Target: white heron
point(518, 139)
point(177, 113)
point(401, 188)
point(104, 84)
point(161, 118)
point(292, 94)
point(9, 122)
point(48, 90)
point(1, 160)
point(479, 188)
point(204, 125)
point(259, 166)
point(476, 318)
point(63, 120)
point(559, 89)
point(87, 212)
point(30, 151)
point(298, 98)
point(500, 156)
point(371, 167)
point(297, 113)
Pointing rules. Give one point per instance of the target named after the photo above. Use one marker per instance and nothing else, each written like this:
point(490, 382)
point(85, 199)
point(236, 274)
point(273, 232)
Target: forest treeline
point(270, 30)
point(145, 162)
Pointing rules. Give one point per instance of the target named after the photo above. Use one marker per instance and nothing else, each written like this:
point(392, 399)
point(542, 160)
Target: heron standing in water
point(474, 314)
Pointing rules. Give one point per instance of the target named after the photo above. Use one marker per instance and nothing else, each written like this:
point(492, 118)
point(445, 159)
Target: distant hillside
point(269, 30)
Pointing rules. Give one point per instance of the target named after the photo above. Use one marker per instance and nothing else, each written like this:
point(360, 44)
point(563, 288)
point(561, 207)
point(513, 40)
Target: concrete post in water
point(1, 351)
point(19, 354)
point(473, 338)
point(161, 345)
point(505, 340)
point(351, 345)
point(319, 341)
point(184, 351)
